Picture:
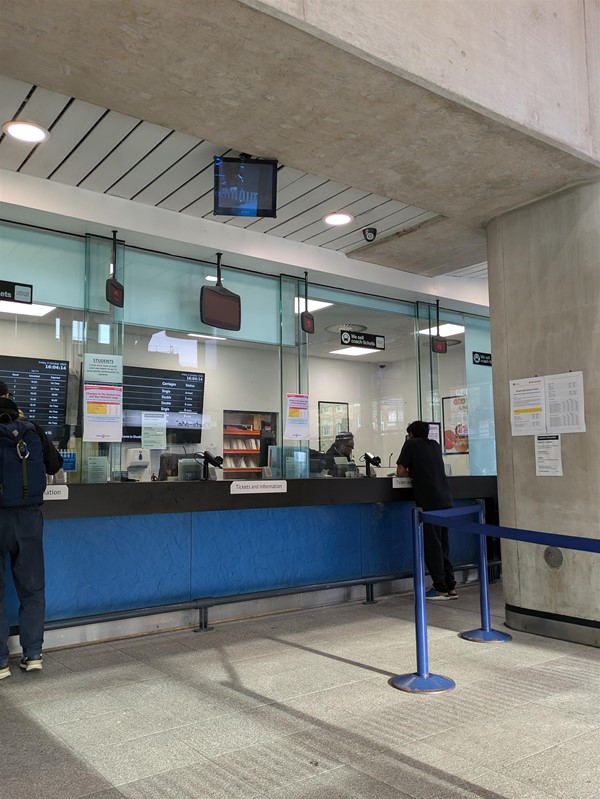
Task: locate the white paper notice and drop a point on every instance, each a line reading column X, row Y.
column 154, row 430
column 548, row 456
column 564, row 403
column 527, row 406
column 102, row 416
column 296, row 419
column 102, row 368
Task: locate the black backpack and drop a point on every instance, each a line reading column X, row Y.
column 22, row 471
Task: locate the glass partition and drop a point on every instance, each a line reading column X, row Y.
column 185, row 388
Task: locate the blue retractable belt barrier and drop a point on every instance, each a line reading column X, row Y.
column 453, row 518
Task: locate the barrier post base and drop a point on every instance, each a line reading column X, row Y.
column 417, row 684
column 486, row 636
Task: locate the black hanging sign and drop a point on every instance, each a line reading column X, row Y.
column 366, row 340
column 16, row 292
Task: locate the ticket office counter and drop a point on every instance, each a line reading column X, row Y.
column 123, row 546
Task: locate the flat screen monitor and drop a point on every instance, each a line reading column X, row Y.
column 179, row 395
column 39, row 388
column 220, row 308
column 245, row 187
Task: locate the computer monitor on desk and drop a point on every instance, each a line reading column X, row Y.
column 344, row 467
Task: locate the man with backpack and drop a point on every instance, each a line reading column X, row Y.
column 26, row 456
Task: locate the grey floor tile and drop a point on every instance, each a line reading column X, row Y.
column 276, row 764
column 117, row 727
column 568, row 771
column 142, row 757
column 206, row 781
column 343, row 783
column 71, row 708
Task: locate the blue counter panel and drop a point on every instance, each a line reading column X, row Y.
column 386, row 538
column 115, row 563
column 237, row 552
column 121, row 562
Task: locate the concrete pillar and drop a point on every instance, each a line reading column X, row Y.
column 544, row 280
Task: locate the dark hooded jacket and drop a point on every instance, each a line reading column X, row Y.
column 9, row 412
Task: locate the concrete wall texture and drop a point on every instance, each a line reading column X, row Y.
column 534, row 64
column 544, row 277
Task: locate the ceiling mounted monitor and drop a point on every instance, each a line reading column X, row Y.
column 245, row 186
column 220, row 307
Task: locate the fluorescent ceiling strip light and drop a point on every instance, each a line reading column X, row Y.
column 352, row 351
column 212, row 338
column 24, row 309
column 313, row 305
column 445, row 330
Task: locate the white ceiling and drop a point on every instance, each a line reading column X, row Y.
column 103, row 151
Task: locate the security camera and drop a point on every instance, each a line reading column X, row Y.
column 382, row 365
column 370, row 233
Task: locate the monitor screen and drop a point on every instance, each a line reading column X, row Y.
column 220, row 308
column 245, row 187
column 39, row 388
column 180, row 395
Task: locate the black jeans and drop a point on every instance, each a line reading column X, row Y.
column 437, row 557
column 21, row 539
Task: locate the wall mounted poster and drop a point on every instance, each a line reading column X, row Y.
column 296, row 418
column 102, row 416
column 455, row 421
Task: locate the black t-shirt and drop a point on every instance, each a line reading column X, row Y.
column 423, row 459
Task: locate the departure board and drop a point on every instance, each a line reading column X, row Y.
column 39, row 388
column 178, row 394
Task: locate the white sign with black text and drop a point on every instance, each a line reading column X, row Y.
column 548, row 456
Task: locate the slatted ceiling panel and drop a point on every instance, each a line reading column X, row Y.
column 174, row 178
column 202, row 182
column 93, row 149
column 290, row 194
column 364, row 214
column 476, row 271
column 67, row 132
column 313, row 218
column 203, row 208
column 169, row 151
column 12, row 95
column 43, row 107
column 136, row 146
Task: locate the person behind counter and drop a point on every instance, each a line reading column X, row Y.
column 341, row 448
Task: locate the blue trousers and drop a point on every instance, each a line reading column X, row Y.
column 21, row 539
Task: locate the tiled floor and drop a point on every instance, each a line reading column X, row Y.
column 297, row 706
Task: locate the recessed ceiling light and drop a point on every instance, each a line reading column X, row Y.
column 352, row 351
column 24, row 309
column 211, row 278
column 339, row 218
column 313, row 305
column 350, row 327
column 213, row 338
column 26, row 131
column 445, row 330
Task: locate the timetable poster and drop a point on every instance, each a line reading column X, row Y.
column 39, row 388
column 102, row 413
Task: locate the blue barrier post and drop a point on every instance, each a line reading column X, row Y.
column 485, row 634
column 421, row 681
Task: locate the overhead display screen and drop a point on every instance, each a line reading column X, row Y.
column 39, row 388
column 180, row 395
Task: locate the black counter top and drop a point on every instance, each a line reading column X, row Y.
column 127, row 499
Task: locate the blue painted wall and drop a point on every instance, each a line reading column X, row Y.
column 122, row 562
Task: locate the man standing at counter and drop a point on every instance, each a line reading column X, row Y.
column 26, row 456
column 421, row 460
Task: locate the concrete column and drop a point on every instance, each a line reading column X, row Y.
column 544, row 280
